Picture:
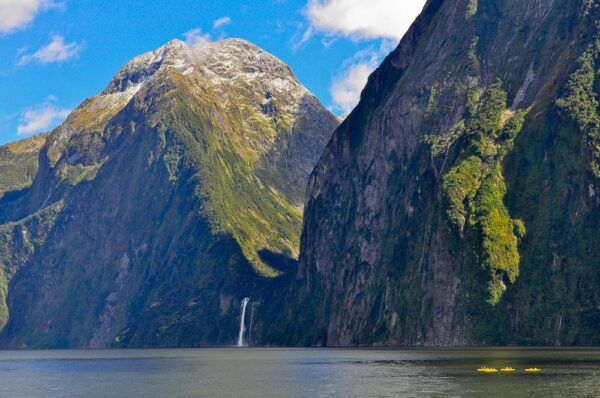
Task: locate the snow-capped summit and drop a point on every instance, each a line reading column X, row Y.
column 175, row 53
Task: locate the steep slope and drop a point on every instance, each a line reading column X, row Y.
column 162, row 202
column 18, row 163
column 458, row 203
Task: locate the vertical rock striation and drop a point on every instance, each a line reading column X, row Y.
column 457, row 204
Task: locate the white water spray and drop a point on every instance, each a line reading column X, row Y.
column 240, row 342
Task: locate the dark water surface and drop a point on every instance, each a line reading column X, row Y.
column 265, row 372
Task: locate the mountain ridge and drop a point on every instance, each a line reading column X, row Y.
column 452, row 206
column 154, row 202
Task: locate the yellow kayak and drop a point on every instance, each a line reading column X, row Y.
column 487, row 370
column 508, row 369
column 533, row 370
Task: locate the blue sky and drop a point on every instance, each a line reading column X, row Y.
column 56, row 53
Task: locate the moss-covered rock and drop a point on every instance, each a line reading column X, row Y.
column 469, row 216
column 475, row 188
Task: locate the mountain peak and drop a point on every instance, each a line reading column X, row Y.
column 235, row 57
column 135, row 72
column 238, row 42
column 224, row 60
column 193, row 162
column 174, row 44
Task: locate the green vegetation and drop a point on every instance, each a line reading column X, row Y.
column 474, row 64
column 461, row 185
column 77, row 173
column 18, row 241
column 86, row 124
column 4, row 314
column 471, row 9
column 475, row 189
column 487, row 118
column 510, row 288
column 435, row 143
column 580, row 104
column 260, row 218
column 19, row 163
column 433, row 93
column 167, row 220
column 499, row 240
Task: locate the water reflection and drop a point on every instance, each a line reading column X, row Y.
column 259, row 372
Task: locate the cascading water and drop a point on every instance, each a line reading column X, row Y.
column 240, row 342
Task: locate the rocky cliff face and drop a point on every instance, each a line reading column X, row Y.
column 159, row 204
column 459, row 203
column 19, row 163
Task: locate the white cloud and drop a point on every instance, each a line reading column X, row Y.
column 195, row 38
column 345, row 91
column 346, row 87
column 221, row 22
column 306, row 36
column 56, row 51
column 17, row 14
column 41, row 118
column 360, row 19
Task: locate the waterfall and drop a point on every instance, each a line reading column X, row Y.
column 240, row 342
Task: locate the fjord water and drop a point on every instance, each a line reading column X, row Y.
column 266, row 372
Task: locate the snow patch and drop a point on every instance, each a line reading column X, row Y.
column 281, row 84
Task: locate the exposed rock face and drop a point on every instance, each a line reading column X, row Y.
column 18, row 163
column 160, row 203
column 453, row 205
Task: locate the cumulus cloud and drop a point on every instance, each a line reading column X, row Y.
column 56, row 51
column 360, row 19
column 195, row 38
column 345, row 91
column 346, row 87
column 221, row 22
column 41, row 118
column 17, row 14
